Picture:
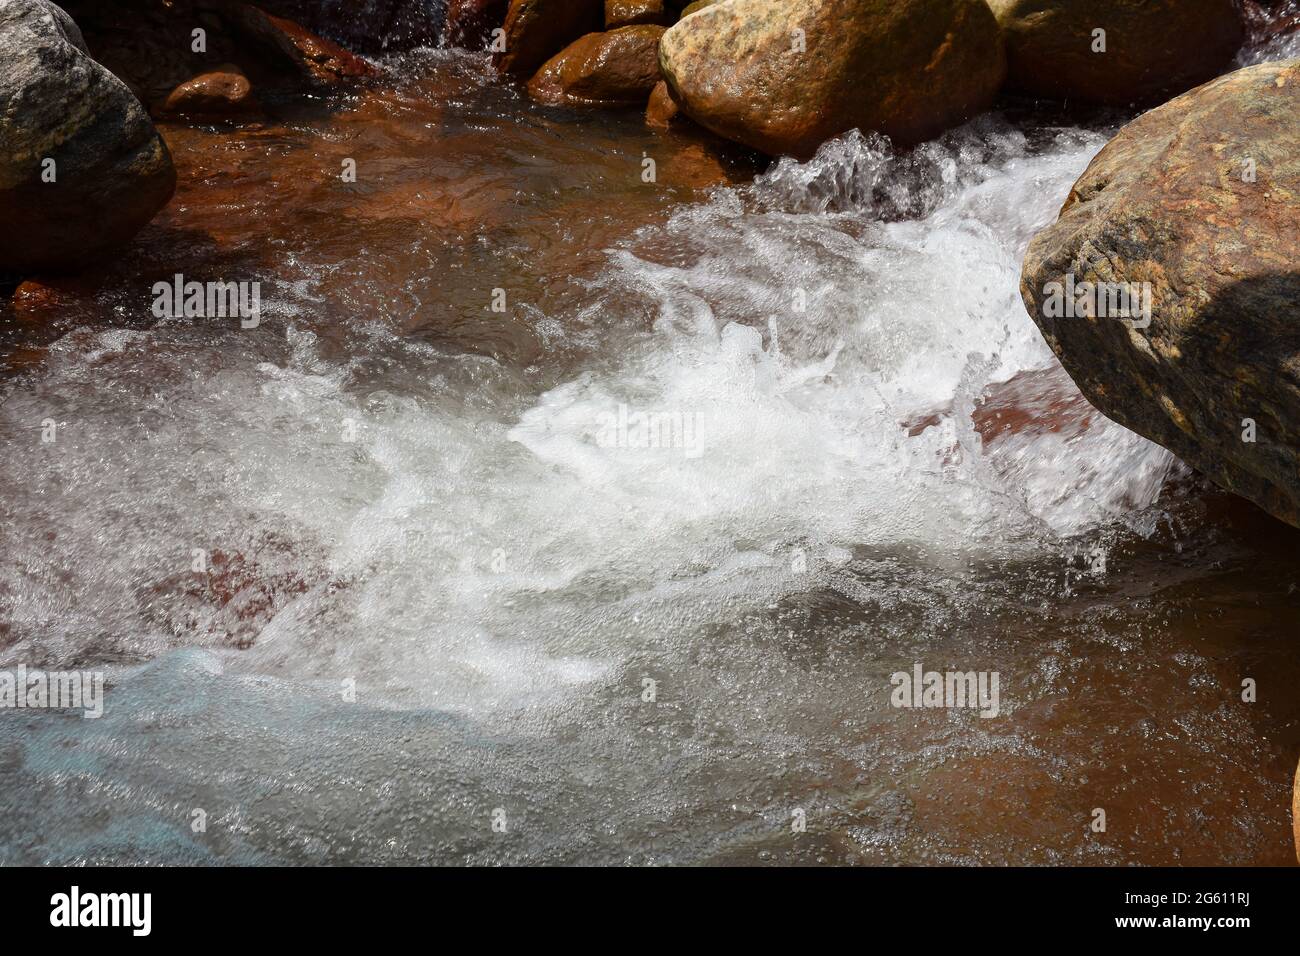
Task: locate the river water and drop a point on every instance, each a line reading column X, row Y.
column 453, row 606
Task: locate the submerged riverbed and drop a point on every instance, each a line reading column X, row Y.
column 444, row 616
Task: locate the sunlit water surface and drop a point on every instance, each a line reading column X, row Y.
column 446, row 583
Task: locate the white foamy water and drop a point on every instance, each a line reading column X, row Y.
column 447, row 543
column 439, row 585
column 439, row 588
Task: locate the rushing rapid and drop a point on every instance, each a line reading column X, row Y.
column 612, row 506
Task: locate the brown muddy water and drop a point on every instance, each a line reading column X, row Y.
column 443, row 582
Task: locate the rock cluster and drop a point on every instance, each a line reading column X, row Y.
column 782, row 76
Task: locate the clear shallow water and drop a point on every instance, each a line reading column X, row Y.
column 397, row 487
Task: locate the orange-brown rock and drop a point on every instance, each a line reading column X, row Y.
column 319, row 61
column 34, row 297
column 628, row 13
column 661, row 110
column 223, row 91
column 701, row 164
column 784, row 77
column 617, row 68
column 1168, row 286
column 536, row 30
column 1148, row 50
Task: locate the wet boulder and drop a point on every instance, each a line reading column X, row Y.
column 82, row 168
column 1116, row 52
column 1168, row 286
column 536, row 30
column 224, row 91
column 616, row 68
column 293, row 48
column 627, row 13
column 785, row 76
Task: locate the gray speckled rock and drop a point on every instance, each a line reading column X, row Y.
column 112, row 169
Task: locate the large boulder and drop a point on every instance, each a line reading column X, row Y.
column 1150, row 49
column 111, row 170
column 784, row 76
column 536, row 30
column 1186, row 229
column 617, row 68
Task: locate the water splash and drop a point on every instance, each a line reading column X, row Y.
column 1273, row 33
column 471, row 556
column 779, row 443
